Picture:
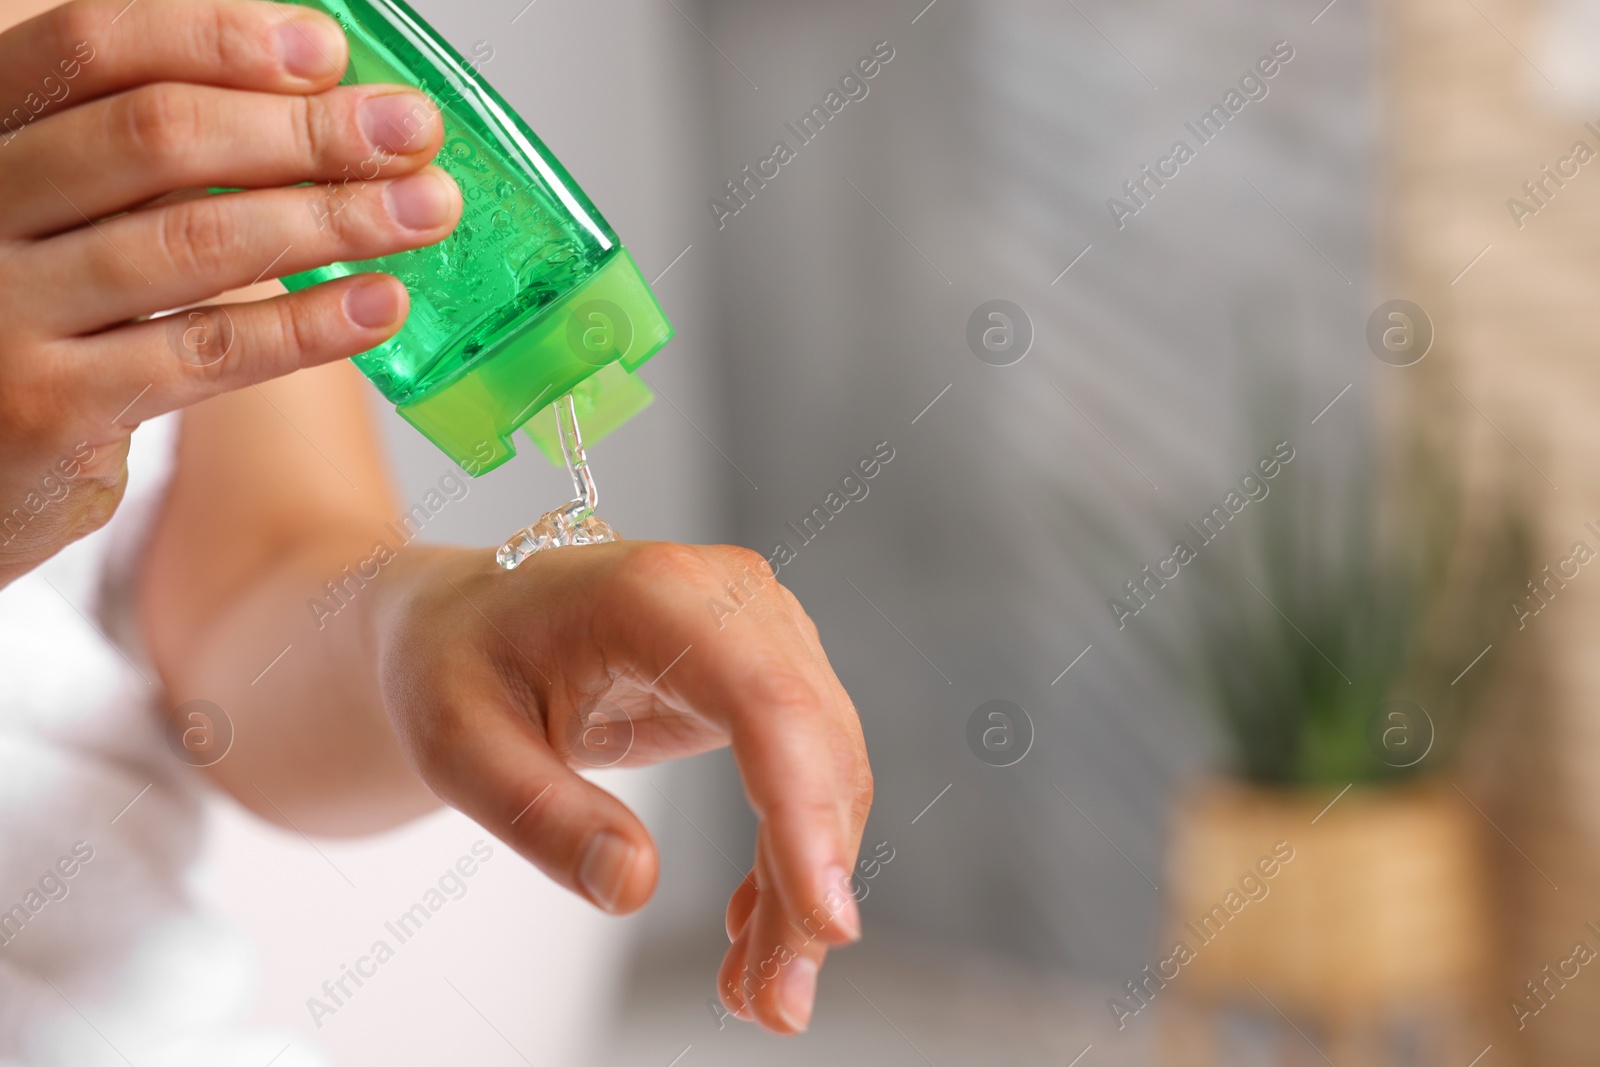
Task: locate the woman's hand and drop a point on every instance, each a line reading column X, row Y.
column 107, row 109
column 500, row 686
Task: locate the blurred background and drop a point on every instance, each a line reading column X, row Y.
column 1276, row 750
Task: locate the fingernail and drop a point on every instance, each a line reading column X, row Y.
column 797, row 991
column 372, row 304
column 420, row 201
column 605, row 867
column 846, row 916
column 312, row 48
column 397, row 122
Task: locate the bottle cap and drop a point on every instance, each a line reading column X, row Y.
column 589, row 342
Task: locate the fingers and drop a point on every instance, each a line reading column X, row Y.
column 168, row 363
column 128, row 149
column 857, row 791
column 794, row 733
column 640, row 627
column 178, row 254
column 91, row 48
column 730, row 982
column 740, row 905
column 792, row 739
column 790, row 775
column 499, row 771
column 769, row 974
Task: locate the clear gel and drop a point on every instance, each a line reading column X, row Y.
column 571, row 524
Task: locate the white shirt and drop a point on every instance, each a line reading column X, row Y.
column 104, row 957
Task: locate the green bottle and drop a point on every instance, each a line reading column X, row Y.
column 531, row 298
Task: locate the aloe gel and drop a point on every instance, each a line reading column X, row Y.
column 531, row 297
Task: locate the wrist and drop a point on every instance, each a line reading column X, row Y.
column 415, row 585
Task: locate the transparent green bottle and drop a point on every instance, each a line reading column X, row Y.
column 532, row 297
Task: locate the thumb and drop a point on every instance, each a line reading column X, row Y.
column 501, row 773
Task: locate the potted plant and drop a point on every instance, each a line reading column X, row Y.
column 1330, row 878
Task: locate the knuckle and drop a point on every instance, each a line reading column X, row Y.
column 740, row 558
column 296, row 335
column 812, row 808
column 329, row 206
column 223, row 40
column 202, row 336
column 866, row 789
column 756, row 564
column 784, row 690
column 199, row 237
column 307, row 122
column 664, row 563
column 75, row 23
column 161, row 123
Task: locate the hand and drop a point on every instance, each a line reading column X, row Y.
column 499, row 684
column 108, row 109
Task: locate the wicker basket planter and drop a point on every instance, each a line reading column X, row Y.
column 1347, row 922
